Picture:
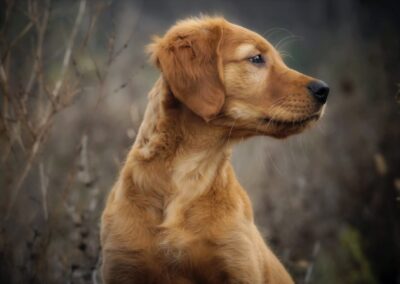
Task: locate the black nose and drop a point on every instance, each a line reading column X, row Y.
column 319, row 90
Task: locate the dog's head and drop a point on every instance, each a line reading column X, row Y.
column 234, row 78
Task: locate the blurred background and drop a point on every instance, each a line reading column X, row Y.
column 73, row 88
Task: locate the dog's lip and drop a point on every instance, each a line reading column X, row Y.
column 294, row 122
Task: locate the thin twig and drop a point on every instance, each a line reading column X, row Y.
column 84, row 174
column 44, row 183
column 51, row 111
column 9, row 9
column 68, row 51
column 310, row 268
column 16, row 39
column 41, row 29
column 34, row 151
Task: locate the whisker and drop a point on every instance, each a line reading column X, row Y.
column 258, row 125
column 230, row 131
column 275, row 30
column 275, row 110
column 274, row 164
column 285, row 54
column 291, row 151
column 287, row 39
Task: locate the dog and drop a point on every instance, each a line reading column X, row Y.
column 177, row 213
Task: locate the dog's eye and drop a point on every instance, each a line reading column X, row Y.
column 258, row 59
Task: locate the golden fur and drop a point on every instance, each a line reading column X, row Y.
column 177, row 213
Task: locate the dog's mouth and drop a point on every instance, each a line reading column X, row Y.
column 279, row 128
column 290, row 123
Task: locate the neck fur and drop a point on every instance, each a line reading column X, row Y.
column 176, row 153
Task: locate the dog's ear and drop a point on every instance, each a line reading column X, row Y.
column 189, row 58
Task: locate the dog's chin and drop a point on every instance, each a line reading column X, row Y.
column 280, row 128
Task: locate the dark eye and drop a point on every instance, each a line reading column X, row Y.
column 258, row 59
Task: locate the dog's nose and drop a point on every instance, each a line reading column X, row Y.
column 319, row 90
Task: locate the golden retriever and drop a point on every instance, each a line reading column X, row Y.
column 177, row 213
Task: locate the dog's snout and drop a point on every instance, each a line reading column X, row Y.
column 319, row 90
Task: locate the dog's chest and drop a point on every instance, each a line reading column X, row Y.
column 183, row 252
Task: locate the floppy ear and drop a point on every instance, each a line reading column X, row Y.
column 191, row 64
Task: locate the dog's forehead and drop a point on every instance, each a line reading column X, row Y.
column 245, row 39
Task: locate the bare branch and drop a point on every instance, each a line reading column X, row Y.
column 28, row 165
column 310, row 268
column 68, row 51
column 17, row 38
column 84, row 173
column 41, row 29
column 44, row 183
column 51, row 110
column 9, row 9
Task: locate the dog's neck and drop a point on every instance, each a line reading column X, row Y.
column 169, row 129
column 175, row 150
